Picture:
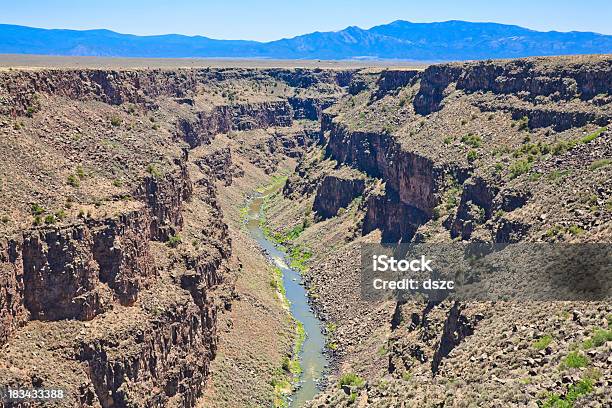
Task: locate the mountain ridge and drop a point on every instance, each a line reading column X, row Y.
column 400, row 39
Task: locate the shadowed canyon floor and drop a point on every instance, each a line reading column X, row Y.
column 128, row 277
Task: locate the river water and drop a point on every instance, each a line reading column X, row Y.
column 312, row 357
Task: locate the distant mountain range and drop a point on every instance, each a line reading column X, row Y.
column 450, row 40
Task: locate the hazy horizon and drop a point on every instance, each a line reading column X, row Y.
column 297, row 35
column 273, row 19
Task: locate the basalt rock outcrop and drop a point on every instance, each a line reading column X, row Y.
column 113, row 298
column 123, row 297
column 492, row 152
column 391, row 81
column 412, row 181
column 534, row 89
column 335, row 193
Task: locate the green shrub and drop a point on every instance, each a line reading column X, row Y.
column 562, row 147
column 471, row 140
column 37, row 209
column 352, row 380
column 115, row 121
column 286, row 363
column 80, row 172
column 174, row 241
column 299, row 257
column 50, row 219
column 555, row 230
column 575, row 360
column 154, row 171
column 535, row 176
column 453, row 198
column 519, row 167
column 73, row 181
column 543, row 342
column 582, row 387
column 5, row 219
column 523, row 123
column 117, row 183
column 575, row 230
column 558, row 174
column 60, row 215
column 593, row 136
column 599, row 338
column 597, row 164
column 37, row 220
column 472, row 156
column 574, row 391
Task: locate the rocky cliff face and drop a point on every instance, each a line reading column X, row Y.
column 391, row 81
column 124, row 296
column 412, row 180
column 535, row 88
column 492, row 151
column 335, row 193
column 134, row 307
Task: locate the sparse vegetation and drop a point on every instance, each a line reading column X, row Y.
column 599, row 338
column 80, row 172
column 50, row 219
column 574, row 392
column 523, row 123
column 592, row 136
column 472, row 140
column 543, row 342
column 115, row 121
column 562, row 147
column 352, row 380
column 453, row 197
column 37, row 209
column 174, row 241
column 554, row 231
column 472, row 155
column 558, row 175
column 575, row 360
column 598, row 164
column 519, row 167
column 575, row 230
column 154, row 171
column 73, row 181
column 299, row 256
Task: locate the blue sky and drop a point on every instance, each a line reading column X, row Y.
column 266, row 20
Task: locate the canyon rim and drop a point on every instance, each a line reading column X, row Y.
column 128, row 276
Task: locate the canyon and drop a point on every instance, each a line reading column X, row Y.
column 128, row 278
